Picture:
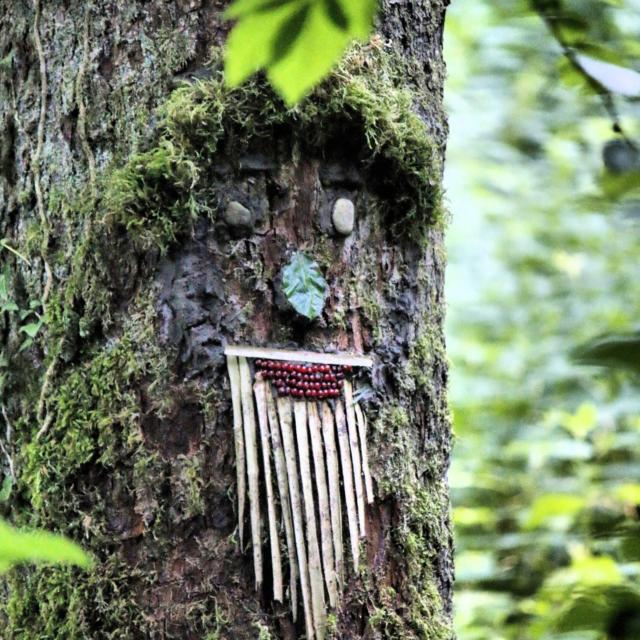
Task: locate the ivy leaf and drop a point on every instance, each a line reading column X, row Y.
column 296, row 42
column 612, row 77
column 31, row 329
column 5, row 489
column 37, row 546
column 304, row 286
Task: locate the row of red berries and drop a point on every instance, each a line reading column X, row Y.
column 304, row 380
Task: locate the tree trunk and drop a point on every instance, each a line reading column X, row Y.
column 119, row 155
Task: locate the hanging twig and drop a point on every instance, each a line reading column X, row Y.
column 324, row 510
column 347, row 479
column 238, row 437
column 315, row 568
column 283, row 488
column 82, row 109
column 249, row 422
column 355, row 455
column 284, row 413
column 5, row 451
column 260, row 390
column 37, row 154
column 333, row 470
column 362, row 432
column 553, row 24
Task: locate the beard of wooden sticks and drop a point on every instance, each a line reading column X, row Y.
column 301, row 442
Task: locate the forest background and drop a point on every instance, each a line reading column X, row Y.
column 543, row 296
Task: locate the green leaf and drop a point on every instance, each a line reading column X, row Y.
column 620, row 351
column 555, row 510
column 304, row 286
column 612, row 77
column 31, row 329
column 251, row 43
column 9, row 306
column 25, row 345
column 297, row 42
column 37, row 546
column 308, row 57
column 5, row 490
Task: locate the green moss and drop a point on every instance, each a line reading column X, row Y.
column 191, row 484
column 62, row 603
column 418, row 535
column 95, row 409
column 427, row 350
column 158, row 191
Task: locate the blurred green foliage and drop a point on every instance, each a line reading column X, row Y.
column 544, row 301
column 296, row 42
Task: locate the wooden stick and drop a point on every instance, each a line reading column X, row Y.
column 355, row 455
column 238, row 436
column 347, row 479
column 260, row 391
column 249, row 422
column 353, row 359
column 333, row 469
column 283, row 488
column 324, row 510
column 315, row 568
column 284, row 413
column 362, row 431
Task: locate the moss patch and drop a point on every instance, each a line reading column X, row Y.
column 95, row 408
column 418, row 534
column 364, row 103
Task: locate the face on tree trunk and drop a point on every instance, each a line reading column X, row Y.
column 172, row 248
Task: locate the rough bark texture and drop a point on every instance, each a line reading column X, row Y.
column 126, row 379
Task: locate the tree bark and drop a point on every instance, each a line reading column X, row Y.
column 121, row 429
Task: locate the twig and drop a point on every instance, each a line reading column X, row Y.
column 260, row 390
column 352, row 359
column 284, row 413
column 8, row 433
column 315, row 567
column 606, row 97
column 283, row 489
column 347, row 479
column 324, row 510
column 333, row 469
column 355, row 455
column 37, row 154
column 362, row 432
column 238, row 437
column 253, row 469
column 82, row 109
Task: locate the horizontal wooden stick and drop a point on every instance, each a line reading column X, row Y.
column 352, row 359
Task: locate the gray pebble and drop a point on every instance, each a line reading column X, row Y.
column 344, row 215
column 237, row 215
